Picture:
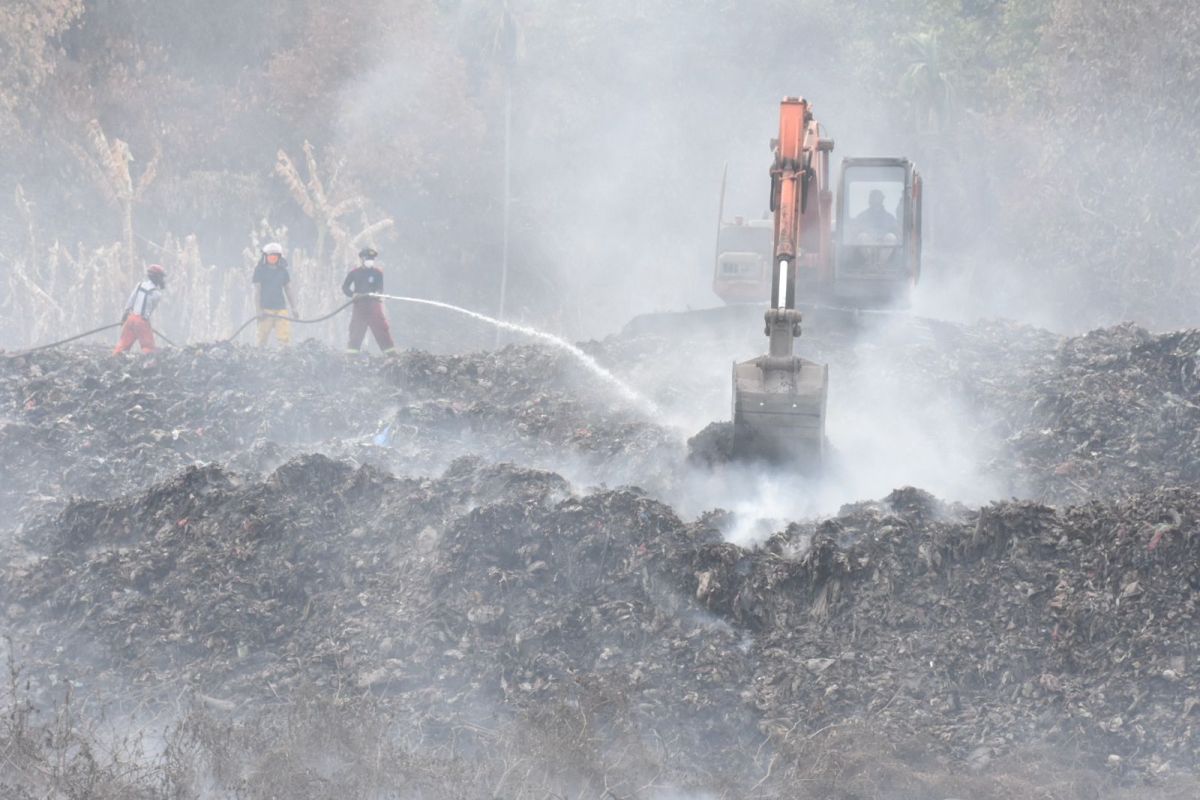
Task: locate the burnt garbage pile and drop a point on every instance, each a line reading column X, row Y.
column 496, row 592
column 210, row 552
column 1062, row 420
column 77, row 422
column 489, row 587
column 1118, row 412
column 980, row 629
column 523, row 403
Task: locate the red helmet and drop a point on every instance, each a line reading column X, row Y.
column 156, row 269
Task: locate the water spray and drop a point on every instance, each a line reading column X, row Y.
column 592, row 365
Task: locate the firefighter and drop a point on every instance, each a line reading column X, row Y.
column 273, row 295
column 141, row 304
column 363, row 281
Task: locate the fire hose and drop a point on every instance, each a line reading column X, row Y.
column 257, row 317
column 160, row 334
column 61, row 342
column 83, row 335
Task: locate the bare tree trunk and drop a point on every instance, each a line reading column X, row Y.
column 507, row 199
column 127, row 237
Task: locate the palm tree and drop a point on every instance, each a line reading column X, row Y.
column 927, row 84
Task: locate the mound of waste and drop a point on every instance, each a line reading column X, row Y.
column 1061, row 420
column 1106, row 414
column 77, row 422
column 981, row 628
column 253, row 529
column 487, row 587
column 1117, row 410
column 494, row 591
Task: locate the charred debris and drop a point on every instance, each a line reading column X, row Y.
column 236, row 528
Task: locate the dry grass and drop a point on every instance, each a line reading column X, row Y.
column 49, row 292
column 61, row 755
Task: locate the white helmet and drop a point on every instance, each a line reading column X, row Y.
column 272, row 249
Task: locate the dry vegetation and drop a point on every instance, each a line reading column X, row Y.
column 50, row 294
column 1055, row 135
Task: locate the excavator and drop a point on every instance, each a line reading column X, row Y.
column 871, row 255
column 875, row 258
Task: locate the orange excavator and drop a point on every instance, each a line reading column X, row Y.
column 779, row 398
column 870, row 253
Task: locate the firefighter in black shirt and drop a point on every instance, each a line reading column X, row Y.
column 364, row 280
column 273, row 295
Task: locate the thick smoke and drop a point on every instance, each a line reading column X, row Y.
column 1056, row 141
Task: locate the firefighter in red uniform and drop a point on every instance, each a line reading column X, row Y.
column 363, row 281
column 139, row 307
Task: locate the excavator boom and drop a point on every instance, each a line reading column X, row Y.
column 779, row 398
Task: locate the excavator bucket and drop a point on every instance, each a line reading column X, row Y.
column 779, row 411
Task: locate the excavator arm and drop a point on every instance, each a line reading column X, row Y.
column 779, row 398
column 790, row 177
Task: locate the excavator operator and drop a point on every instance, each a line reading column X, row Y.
column 876, row 223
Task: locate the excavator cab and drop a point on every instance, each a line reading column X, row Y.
column 877, row 241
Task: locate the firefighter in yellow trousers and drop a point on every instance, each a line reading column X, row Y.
column 273, row 295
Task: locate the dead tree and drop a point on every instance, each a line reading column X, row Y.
column 327, row 203
column 109, row 162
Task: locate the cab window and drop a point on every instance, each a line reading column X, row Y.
column 872, row 211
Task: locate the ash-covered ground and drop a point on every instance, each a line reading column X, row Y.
column 301, row 574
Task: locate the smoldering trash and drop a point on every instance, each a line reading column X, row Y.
column 312, row 571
